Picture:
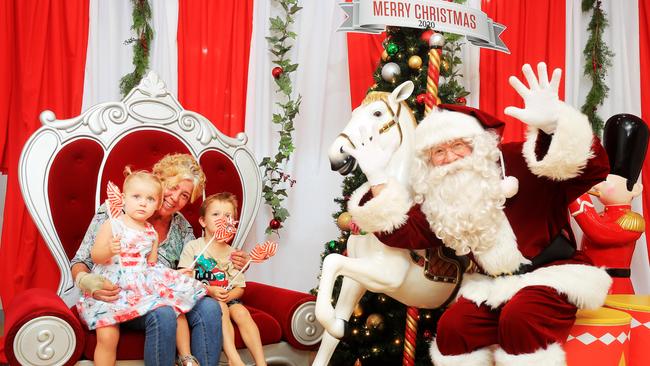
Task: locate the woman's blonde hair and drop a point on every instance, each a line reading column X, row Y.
column 174, row 168
column 144, row 176
column 221, row 197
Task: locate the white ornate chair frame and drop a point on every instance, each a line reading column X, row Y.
column 149, row 106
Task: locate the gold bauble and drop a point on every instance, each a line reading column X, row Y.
column 375, row 321
column 358, row 310
column 384, row 56
column 343, row 221
column 357, row 362
column 445, row 65
column 415, row 62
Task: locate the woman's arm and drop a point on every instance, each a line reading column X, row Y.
column 83, row 253
column 152, row 258
column 106, row 246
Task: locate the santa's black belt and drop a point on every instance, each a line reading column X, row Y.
column 618, row 272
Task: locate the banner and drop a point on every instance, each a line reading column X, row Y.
column 372, row 16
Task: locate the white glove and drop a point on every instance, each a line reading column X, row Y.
column 370, row 155
column 542, row 104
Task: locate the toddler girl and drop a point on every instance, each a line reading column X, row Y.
column 128, row 259
column 215, row 269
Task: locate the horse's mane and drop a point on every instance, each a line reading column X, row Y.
column 374, row 96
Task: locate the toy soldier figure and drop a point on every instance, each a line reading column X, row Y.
column 610, row 236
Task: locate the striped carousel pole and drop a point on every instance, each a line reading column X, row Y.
column 436, row 41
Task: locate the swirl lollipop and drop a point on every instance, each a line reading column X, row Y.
column 259, row 254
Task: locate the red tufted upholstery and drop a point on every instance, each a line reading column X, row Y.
column 73, row 195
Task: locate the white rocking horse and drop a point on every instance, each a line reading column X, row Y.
column 371, row 265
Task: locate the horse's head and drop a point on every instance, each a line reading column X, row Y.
column 387, row 110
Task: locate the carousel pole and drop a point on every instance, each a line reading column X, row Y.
column 436, row 41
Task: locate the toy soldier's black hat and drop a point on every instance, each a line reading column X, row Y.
column 625, row 138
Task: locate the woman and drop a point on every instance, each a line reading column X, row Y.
column 183, row 181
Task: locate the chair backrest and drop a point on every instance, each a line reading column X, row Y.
column 66, row 164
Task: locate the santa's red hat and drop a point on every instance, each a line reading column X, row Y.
column 450, row 122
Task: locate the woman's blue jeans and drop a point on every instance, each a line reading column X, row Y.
column 160, row 333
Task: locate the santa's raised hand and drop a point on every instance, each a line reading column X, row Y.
column 541, row 100
column 370, row 155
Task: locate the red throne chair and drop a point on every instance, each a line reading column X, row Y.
column 63, row 172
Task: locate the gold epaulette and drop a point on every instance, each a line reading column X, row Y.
column 632, row 221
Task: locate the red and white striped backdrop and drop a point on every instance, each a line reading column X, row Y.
column 65, row 56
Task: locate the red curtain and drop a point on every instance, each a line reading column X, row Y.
column 364, row 53
column 46, row 57
column 213, row 48
column 6, row 66
column 536, row 32
column 644, row 52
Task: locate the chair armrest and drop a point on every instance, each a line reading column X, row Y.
column 40, row 329
column 292, row 309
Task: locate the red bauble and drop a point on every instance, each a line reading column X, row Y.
column 277, row 71
column 421, row 98
column 427, row 334
column 426, row 35
column 275, row 224
column 461, row 100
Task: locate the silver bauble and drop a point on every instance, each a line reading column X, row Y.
column 436, row 40
column 390, row 72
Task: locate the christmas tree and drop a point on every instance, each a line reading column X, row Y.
column 376, row 328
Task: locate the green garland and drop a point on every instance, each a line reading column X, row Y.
column 275, row 178
column 141, row 25
column 598, row 58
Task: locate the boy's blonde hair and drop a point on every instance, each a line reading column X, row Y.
column 144, row 176
column 174, row 168
column 221, row 197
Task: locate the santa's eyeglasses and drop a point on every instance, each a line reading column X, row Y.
column 459, row 148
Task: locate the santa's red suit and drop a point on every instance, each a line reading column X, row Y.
column 609, row 238
column 527, row 316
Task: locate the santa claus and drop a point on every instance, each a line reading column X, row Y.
column 506, row 207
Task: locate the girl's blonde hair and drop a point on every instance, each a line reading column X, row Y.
column 144, row 176
column 221, row 197
column 174, row 168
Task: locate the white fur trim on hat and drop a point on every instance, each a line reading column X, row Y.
column 552, row 355
column 384, row 213
column 442, row 126
column 585, row 286
column 480, row 357
column 570, row 147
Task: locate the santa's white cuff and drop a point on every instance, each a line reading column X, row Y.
column 570, row 147
column 383, row 213
column 552, row 355
column 480, row 357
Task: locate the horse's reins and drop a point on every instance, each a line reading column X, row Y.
column 394, row 121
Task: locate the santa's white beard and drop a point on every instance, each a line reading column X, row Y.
column 463, row 200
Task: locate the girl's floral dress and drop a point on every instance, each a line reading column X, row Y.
column 144, row 287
